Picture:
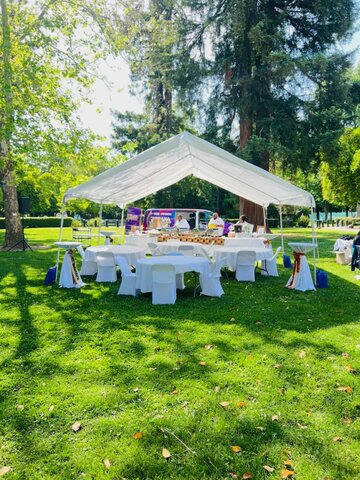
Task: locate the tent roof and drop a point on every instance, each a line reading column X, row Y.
column 180, row 156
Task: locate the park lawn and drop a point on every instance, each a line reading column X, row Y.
column 285, row 363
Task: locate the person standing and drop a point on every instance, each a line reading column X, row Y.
column 181, row 222
column 216, row 223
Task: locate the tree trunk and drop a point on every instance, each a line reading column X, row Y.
column 11, row 208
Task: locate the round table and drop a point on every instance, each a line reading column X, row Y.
column 230, row 254
column 173, row 246
column 300, row 278
column 244, row 242
column 107, row 234
column 182, row 264
column 69, row 275
column 130, row 253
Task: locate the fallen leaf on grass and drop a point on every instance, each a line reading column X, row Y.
column 233, row 475
column 4, row 471
column 302, row 354
column 174, row 392
column 76, row 426
column 19, row 407
column 345, row 355
column 235, row 448
column 209, row 347
column 241, row 404
column 224, row 404
column 287, row 463
column 274, row 418
column 232, row 319
column 350, row 369
column 278, row 365
column 347, row 420
column 138, row 435
column 217, row 389
column 107, row 463
column 344, row 389
column 337, row 439
column 51, row 408
column 246, row 476
column 303, row 427
column 268, row 469
column 286, row 473
column 165, row 453
column 260, row 428
column 202, row 363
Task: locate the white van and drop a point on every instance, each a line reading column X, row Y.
column 166, row 217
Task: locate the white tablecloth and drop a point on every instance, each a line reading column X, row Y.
column 182, row 264
column 140, row 240
column 340, row 245
column 69, row 275
column 244, row 242
column 173, row 246
column 131, row 254
column 230, row 254
column 301, row 276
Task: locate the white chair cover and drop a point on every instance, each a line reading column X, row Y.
column 164, row 284
column 128, row 278
column 153, row 248
column 186, row 249
column 106, row 267
column 210, row 284
column 269, row 266
column 180, row 283
column 245, row 271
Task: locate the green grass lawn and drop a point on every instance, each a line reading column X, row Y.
column 119, row 365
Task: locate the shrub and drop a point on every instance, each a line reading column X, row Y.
column 303, row 221
column 41, row 222
column 93, row 222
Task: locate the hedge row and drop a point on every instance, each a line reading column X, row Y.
column 38, row 222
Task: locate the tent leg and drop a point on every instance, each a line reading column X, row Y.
column 264, row 213
column 314, row 240
column 281, row 230
column 100, row 221
column 122, row 216
column 60, row 237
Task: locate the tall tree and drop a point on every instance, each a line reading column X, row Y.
column 44, row 57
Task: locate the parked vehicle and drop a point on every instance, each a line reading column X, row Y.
column 166, row 217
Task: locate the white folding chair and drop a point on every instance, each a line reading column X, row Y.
column 164, row 284
column 186, row 250
column 245, row 270
column 180, row 284
column 128, row 278
column 269, row 266
column 210, row 284
column 153, row 248
column 106, row 267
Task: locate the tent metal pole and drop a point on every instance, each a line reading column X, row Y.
column 60, row 236
column 100, row 221
column 264, row 213
column 122, row 216
column 281, row 229
column 314, row 240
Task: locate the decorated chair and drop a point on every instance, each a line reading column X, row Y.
column 180, row 284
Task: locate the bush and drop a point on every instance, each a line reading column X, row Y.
column 303, row 221
column 41, row 222
column 93, row 222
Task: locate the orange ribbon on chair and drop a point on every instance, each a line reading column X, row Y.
column 296, row 268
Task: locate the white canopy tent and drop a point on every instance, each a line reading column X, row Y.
column 180, row 156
